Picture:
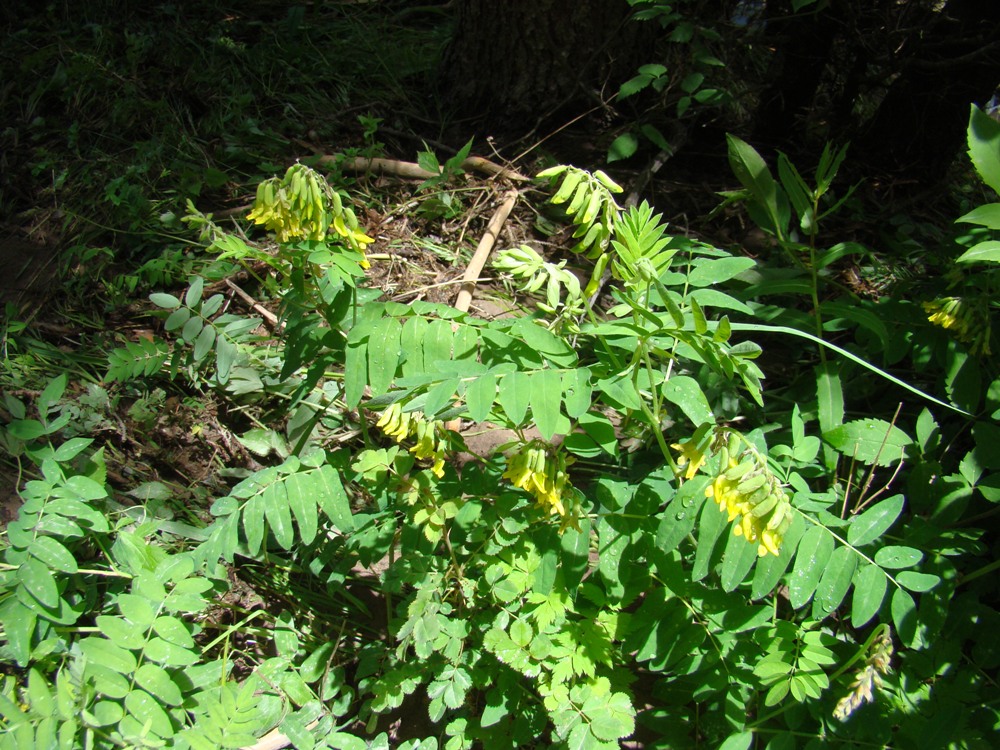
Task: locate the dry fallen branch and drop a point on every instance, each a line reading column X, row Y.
column 483, row 250
column 409, row 170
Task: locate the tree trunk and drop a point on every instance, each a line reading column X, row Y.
column 517, row 63
column 803, row 42
column 920, row 125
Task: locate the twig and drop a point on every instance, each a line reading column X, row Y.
column 270, row 317
column 411, row 171
column 486, row 244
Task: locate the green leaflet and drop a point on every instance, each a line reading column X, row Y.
column 875, row 521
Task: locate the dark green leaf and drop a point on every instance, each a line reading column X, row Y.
column 104, row 652
column 811, row 559
column 159, row 683
column 984, row 146
column 545, row 400
column 37, row 580
column 686, row 393
column 869, row 591
column 875, row 521
column 53, row 554
column 871, row 441
column 895, row 556
column 836, row 580
column 479, row 396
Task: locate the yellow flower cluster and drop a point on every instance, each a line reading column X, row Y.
column 753, row 498
column 431, row 445
column 967, row 318
column 534, row 469
column 302, row 206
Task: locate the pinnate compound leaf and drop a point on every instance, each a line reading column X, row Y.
column 875, row 521
column 871, row 441
column 870, row 584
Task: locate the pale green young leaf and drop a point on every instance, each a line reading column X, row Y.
column 875, row 521
column 870, row 584
column 738, row 741
column 480, row 394
column 437, row 343
column 411, row 344
column 177, row 319
column 169, row 654
column 331, row 497
column 623, row 147
column 173, row 630
column 166, row 301
column 752, row 172
column 121, row 632
column 577, row 391
column 706, row 272
column 355, row 373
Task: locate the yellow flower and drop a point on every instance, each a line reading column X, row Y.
column 754, row 502
column 692, row 456
column 967, row 317
column 533, row 469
